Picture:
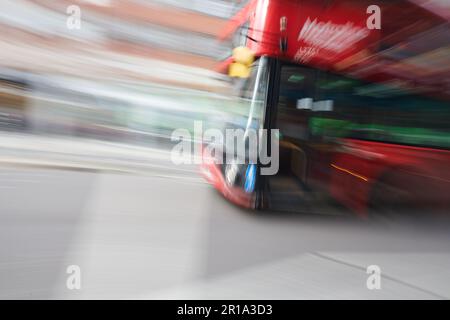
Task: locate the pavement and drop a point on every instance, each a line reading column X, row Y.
column 71, row 153
column 162, row 233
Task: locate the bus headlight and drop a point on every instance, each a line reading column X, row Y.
column 231, row 171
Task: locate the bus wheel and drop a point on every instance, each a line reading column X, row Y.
column 391, row 198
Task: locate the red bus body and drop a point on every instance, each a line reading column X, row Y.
column 333, row 35
column 356, row 170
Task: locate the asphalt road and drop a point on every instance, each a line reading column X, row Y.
column 172, row 236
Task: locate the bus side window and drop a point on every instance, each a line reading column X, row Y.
column 296, row 95
column 296, row 85
column 385, row 112
column 348, row 108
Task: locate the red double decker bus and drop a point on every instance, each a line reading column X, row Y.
column 359, row 91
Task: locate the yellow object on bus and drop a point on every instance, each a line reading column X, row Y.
column 243, row 58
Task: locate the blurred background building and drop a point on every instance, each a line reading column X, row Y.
column 126, row 72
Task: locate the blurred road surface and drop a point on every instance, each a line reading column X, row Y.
column 150, row 234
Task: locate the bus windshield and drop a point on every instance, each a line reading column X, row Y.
column 250, row 96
